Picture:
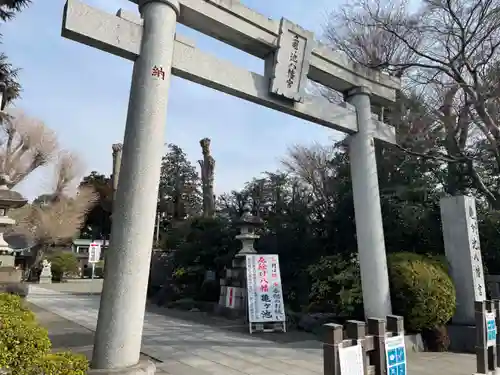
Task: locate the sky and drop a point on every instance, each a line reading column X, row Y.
column 82, row 94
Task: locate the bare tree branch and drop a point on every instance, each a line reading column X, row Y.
column 448, row 51
column 26, row 144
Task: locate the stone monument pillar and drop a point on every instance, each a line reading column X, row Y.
column 368, row 213
column 120, row 322
column 463, row 252
column 235, row 280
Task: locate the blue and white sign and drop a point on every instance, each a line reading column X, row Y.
column 395, row 355
column 491, row 329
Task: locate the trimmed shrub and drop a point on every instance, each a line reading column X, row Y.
column 336, row 287
column 422, row 291
column 62, row 264
column 11, row 300
column 64, row 363
column 23, row 344
column 12, row 305
column 437, row 260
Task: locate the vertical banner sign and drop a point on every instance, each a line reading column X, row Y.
column 265, row 295
column 395, row 355
column 491, row 329
column 351, row 360
column 94, row 252
column 230, row 297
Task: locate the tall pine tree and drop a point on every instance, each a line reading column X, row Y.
column 179, row 195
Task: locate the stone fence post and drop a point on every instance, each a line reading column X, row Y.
column 372, row 343
column 487, row 359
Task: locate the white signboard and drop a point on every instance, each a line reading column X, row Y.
column 475, row 253
column 94, row 252
column 491, row 329
column 351, row 360
column 395, row 355
column 265, row 296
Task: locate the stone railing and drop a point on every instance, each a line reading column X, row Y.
column 372, row 341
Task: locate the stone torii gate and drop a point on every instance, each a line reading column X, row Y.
column 291, row 57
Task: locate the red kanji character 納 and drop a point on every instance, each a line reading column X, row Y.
column 158, row 72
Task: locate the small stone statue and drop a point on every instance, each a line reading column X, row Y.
column 46, row 275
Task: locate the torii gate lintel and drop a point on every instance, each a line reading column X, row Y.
column 121, row 35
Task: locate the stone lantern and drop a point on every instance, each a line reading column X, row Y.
column 233, row 286
column 248, row 223
column 8, row 200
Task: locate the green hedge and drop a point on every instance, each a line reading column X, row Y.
column 436, row 260
column 64, row 363
column 25, row 345
column 421, row 290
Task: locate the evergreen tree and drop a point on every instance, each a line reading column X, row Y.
column 8, row 74
column 98, row 221
column 9, row 8
column 179, row 195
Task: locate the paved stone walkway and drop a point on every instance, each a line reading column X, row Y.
column 186, row 348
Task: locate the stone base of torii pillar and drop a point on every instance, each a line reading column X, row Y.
column 144, row 367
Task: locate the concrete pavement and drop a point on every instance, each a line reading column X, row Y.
column 186, row 347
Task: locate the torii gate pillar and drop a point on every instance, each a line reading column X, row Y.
column 367, row 210
column 118, row 336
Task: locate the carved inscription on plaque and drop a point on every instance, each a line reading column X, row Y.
column 291, row 61
column 475, row 253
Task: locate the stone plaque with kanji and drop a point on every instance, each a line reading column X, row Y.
column 291, row 61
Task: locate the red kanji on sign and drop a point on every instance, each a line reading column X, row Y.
column 158, row 72
column 261, row 264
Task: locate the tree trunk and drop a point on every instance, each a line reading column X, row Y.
column 34, row 261
column 207, row 177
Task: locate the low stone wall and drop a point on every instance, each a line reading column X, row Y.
column 7, row 260
column 21, row 289
column 10, row 275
